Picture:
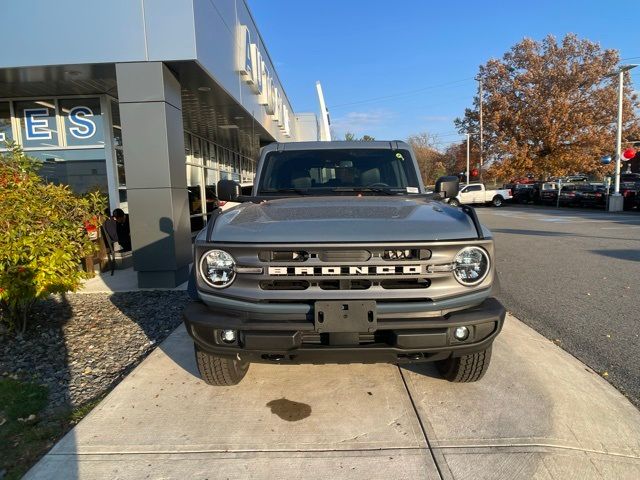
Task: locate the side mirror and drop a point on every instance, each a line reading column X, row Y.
column 228, row 190
column 448, row 187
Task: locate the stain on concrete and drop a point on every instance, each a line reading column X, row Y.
column 289, row 410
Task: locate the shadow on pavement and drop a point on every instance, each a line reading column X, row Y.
column 180, row 350
column 633, row 255
column 426, row 369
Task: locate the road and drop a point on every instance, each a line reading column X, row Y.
column 574, row 276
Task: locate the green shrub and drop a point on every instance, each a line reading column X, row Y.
column 43, row 236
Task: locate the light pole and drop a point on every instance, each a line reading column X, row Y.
column 479, row 78
column 468, row 152
column 616, row 202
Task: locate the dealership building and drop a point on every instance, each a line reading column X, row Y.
column 150, row 101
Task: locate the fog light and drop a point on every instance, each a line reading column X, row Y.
column 228, row 336
column 461, row 333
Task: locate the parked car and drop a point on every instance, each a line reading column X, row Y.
column 478, row 193
column 631, row 194
column 629, row 189
column 592, row 196
column 630, row 177
column 575, row 178
column 526, row 193
column 569, row 195
column 549, row 193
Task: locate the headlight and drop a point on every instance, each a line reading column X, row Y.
column 218, row 268
column 471, row 265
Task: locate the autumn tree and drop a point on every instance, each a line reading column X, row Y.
column 456, row 157
column 550, row 108
column 430, row 161
column 351, row 137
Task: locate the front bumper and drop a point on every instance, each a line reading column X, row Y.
column 291, row 338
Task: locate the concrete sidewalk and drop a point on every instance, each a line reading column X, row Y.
column 122, row 280
column 538, row 413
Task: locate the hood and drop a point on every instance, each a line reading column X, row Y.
column 342, row 219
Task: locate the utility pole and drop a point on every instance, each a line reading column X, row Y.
column 616, row 190
column 468, row 151
column 616, row 202
column 325, row 134
column 481, row 138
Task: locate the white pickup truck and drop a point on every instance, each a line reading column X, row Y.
column 477, row 193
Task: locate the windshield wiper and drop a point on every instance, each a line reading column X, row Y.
column 299, row 191
column 385, row 190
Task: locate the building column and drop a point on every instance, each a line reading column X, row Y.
column 153, row 143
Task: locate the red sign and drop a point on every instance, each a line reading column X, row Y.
column 628, row 154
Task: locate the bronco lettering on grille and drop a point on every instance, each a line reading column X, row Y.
column 347, row 270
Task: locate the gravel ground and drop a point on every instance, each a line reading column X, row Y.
column 81, row 345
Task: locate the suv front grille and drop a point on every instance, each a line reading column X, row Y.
column 382, row 267
column 293, row 273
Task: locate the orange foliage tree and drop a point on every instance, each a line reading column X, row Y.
column 550, row 108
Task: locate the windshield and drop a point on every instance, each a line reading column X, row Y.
column 317, row 171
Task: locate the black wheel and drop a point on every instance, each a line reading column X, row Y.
column 468, row 368
column 454, row 202
column 216, row 370
column 497, row 201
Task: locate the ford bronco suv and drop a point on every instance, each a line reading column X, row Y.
column 340, row 256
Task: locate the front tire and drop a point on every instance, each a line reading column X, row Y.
column 467, row 368
column 454, row 202
column 220, row 371
column 497, row 201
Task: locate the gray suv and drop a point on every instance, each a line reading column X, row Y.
column 340, row 256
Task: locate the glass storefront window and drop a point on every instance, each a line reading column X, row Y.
column 122, row 177
column 205, row 152
column 38, row 126
column 206, row 164
column 211, row 197
column 82, row 121
column 236, row 166
column 187, row 147
column 83, row 170
column 211, row 158
column 6, row 135
column 194, row 190
column 197, row 153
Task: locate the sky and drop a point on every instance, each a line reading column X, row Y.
column 391, row 69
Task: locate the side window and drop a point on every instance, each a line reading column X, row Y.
column 474, row 188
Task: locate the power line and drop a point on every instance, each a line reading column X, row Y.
column 403, row 94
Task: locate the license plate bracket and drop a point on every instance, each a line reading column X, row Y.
column 346, row 316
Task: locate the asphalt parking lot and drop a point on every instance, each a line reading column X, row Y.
column 574, row 276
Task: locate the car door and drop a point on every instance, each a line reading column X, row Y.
column 476, row 194
column 479, row 194
column 465, row 195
